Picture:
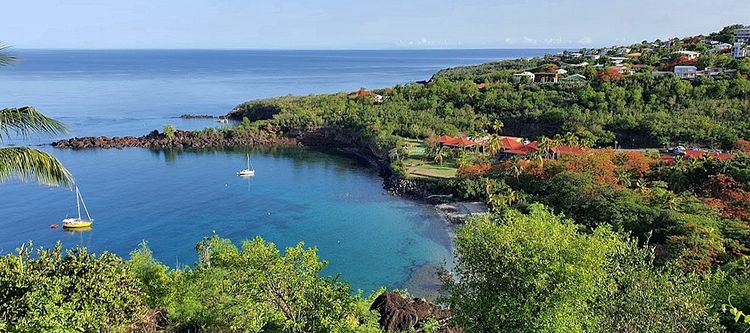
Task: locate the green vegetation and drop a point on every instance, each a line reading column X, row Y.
column 537, row 273
column 47, row 291
column 601, row 241
column 169, row 131
column 254, row 288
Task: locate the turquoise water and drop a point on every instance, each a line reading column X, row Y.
column 172, row 200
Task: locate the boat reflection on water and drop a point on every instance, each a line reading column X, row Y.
column 77, row 230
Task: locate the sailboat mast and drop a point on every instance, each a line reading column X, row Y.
column 248, row 161
column 78, row 202
column 88, row 216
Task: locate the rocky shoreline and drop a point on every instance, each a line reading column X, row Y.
column 180, row 140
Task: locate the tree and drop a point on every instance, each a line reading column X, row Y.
column 528, row 273
column 27, row 163
column 169, row 131
column 494, row 144
column 440, row 155
column 497, row 126
column 537, row 272
column 49, row 290
column 253, row 288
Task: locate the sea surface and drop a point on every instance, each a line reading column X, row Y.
column 173, row 199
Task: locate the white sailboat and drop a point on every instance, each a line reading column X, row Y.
column 78, row 222
column 249, row 172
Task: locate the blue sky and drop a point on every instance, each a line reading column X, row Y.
column 336, row 24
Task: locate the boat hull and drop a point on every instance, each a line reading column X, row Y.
column 76, row 224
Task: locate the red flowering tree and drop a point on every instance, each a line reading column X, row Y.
column 608, row 74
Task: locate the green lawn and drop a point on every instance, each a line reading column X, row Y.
column 418, row 165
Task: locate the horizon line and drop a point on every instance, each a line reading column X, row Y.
column 12, row 48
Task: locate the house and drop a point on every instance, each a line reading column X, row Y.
column 686, row 72
column 739, row 51
column 562, row 71
column 713, row 71
column 618, row 60
column 703, row 154
column 546, row 77
column 593, row 56
column 742, row 35
column 457, row 142
column 722, row 46
column 362, row 93
column 622, row 69
column 583, row 64
column 634, row 54
column 574, row 78
column 690, row 55
column 524, row 77
column 512, row 146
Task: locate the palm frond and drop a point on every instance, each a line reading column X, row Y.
column 5, row 57
column 27, row 120
column 27, row 163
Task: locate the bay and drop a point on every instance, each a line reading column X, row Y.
column 173, row 199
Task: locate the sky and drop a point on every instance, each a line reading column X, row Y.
column 337, row 24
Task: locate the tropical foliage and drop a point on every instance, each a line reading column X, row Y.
column 28, row 163
column 254, row 288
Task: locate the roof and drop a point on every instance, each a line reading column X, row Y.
column 688, row 52
column 700, row 154
column 692, row 68
column 575, row 77
column 362, row 92
column 516, row 146
column 463, row 141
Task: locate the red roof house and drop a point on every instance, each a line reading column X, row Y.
column 447, row 140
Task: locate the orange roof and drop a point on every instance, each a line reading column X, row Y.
column 456, row 142
column 362, row 92
column 700, row 154
column 516, row 147
column 509, row 143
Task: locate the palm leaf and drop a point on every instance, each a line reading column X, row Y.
column 27, row 120
column 27, row 163
column 5, row 58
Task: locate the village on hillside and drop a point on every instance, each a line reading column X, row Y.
column 687, row 58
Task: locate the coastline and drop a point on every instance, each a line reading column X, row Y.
column 453, row 211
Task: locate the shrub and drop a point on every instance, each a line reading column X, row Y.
column 169, row 131
column 75, row 291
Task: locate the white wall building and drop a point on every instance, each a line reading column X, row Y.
column 742, row 35
column 686, row 72
column 523, row 77
column 691, row 55
column 739, row 51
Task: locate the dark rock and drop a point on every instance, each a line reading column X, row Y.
column 180, row 140
column 197, row 116
column 399, row 314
